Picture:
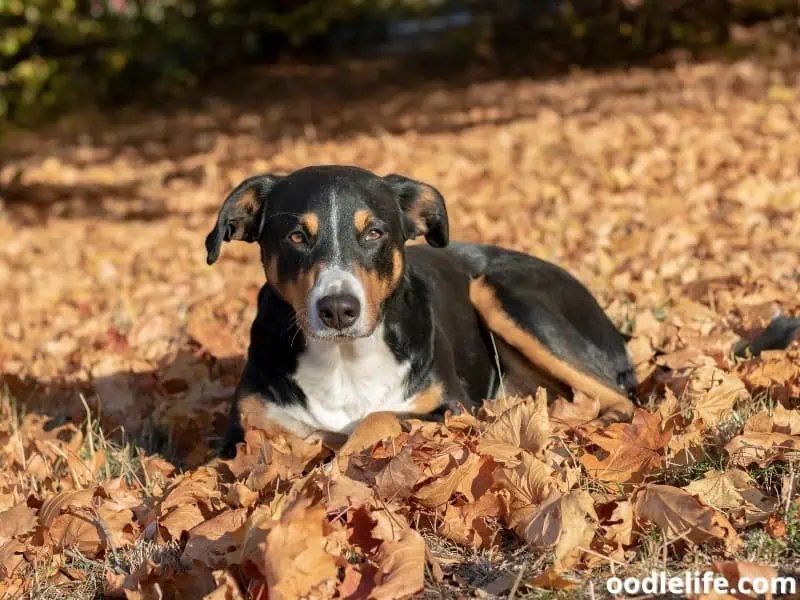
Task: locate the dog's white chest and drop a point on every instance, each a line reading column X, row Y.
column 345, row 382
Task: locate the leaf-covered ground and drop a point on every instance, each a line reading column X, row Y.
column 672, row 193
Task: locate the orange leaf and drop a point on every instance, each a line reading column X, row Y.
column 629, row 452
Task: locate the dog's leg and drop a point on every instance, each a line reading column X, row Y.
column 254, row 410
column 556, row 347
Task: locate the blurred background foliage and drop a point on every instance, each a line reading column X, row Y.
column 58, row 55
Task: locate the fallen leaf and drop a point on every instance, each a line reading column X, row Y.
column 735, row 492
column 735, row 571
column 778, row 420
column 457, row 478
column 569, row 415
column 762, row 448
column 401, row 567
column 628, row 452
column 524, row 426
column 17, row 520
column 682, row 516
column 216, row 543
column 397, row 479
column 294, row 555
column 564, row 523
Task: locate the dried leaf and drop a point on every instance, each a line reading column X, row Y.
column 682, row 516
column 401, row 567
column 628, row 452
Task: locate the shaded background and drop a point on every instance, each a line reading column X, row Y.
column 649, row 147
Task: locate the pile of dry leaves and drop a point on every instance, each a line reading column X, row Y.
column 671, row 193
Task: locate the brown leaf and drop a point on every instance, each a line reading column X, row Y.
column 11, row 558
column 762, row 448
column 344, row 492
column 468, row 524
column 779, row 420
column 529, row 483
column 628, row 452
column 217, row 542
column 239, row 495
column 17, row 521
column 181, row 520
column 524, row 426
column 374, row 428
column 458, row 478
column 81, row 532
column 682, row 516
column 735, row 571
column 714, row 393
column 616, row 523
column 294, row 557
column 359, row 581
column 563, row 523
column 734, row 491
column 397, row 479
column 212, row 334
column 552, row 579
column 569, row 415
column 226, row 587
column 53, row 506
column 401, row 567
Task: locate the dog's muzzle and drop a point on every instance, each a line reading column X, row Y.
column 335, row 305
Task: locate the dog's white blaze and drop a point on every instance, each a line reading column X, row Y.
column 345, row 382
column 337, row 249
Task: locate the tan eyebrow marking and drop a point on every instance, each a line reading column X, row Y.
column 311, row 222
column 361, row 219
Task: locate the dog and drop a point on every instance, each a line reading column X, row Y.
column 352, row 321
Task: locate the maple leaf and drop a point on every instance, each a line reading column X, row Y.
column 359, row 581
column 565, row 414
column 179, row 521
column 469, row 523
column 529, row 483
column 18, row 520
column 614, row 533
column 735, row 571
column 628, row 452
column 762, row 448
column 682, row 516
column 563, row 523
column 216, row 542
column 398, row 477
column 401, row 567
column 778, row 420
column 524, row 426
column 344, row 492
column 226, row 587
column 472, row 471
column 294, row 555
column 735, row 492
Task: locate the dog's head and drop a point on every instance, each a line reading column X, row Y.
column 332, row 240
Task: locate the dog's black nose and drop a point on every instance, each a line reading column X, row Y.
column 339, row 311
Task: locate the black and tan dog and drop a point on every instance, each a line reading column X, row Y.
column 351, row 321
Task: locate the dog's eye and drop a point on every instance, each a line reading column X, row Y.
column 297, row 238
column 373, row 234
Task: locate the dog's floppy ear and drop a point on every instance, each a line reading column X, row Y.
column 241, row 215
column 423, row 209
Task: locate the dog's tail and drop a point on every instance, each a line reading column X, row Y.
column 781, row 332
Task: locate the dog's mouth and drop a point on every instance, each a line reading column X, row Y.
column 334, row 336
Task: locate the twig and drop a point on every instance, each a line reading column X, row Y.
column 789, row 491
column 89, row 427
column 517, row 581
